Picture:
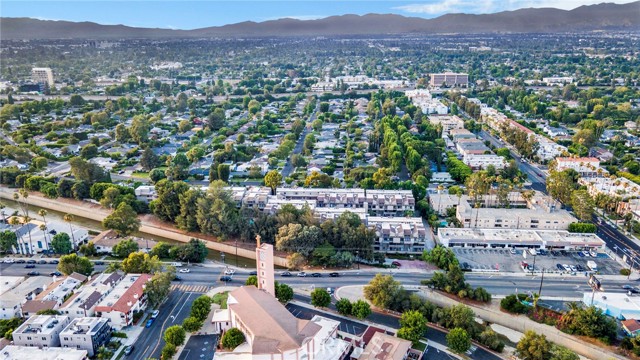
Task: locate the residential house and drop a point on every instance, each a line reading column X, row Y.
column 126, row 298
column 84, row 301
column 41, row 331
column 86, row 333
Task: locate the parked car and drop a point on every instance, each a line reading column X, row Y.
column 43, row 261
column 229, row 272
column 54, row 261
column 316, row 274
column 580, row 268
column 560, row 267
column 148, row 324
column 99, row 263
column 8, row 261
column 583, row 253
column 184, row 271
column 56, row 273
column 566, row 267
column 128, row 349
column 573, row 268
column 396, row 263
column 334, row 274
column 285, row 273
column 33, row 273
column 20, row 261
column 225, row 278
column 593, row 254
column 302, row 274
column 29, row 266
column 253, row 273
column 155, row 314
column 31, row 261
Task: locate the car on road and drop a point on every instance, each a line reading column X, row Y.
column 33, row 273
column 316, row 274
column 148, row 324
column 560, row 267
column 20, row 261
column 128, row 349
column 285, row 273
column 29, row 266
column 229, row 272
column 631, row 289
column 302, row 274
column 184, row 271
column 43, row 261
column 31, row 261
column 99, row 262
column 396, row 263
column 225, row 278
column 253, row 273
column 55, row 273
column 8, row 261
column 177, row 278
column 155, row 314
column 54, row 261
column 334, row 274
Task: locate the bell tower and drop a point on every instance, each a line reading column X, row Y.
column 264, row 264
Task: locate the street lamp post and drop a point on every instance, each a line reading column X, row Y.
column 222, row 256
column 533, row 268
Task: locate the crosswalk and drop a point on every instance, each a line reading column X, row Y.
column 192, row 288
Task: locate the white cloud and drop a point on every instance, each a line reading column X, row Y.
column 433, row 8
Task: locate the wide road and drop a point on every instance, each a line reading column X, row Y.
column 288, row 167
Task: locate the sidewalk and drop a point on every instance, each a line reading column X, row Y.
column 494, row 315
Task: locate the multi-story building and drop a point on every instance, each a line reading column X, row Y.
column 398, row 235
column 461, row 134
column 86, row 333
column 106, row 240
column 519, row 239
column 386, row 347
column 448, row 122
column 126, row 297
column 272, row 332
column 471, row 147
column 449, row 79
column 85, row 300
column 146, row 193
column 542, row 216
column 478, row 162
column 557, row 80
column 16, row 291
column 42, row 76
column 585, row 166
column 41, row 331
column 614, row 187
column 14, row 352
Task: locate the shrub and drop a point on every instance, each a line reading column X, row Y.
column 625, row 272
column 232, row 338
column 168, row 351
column 191, row 324
column 513, row 304
column 582, row 228
column 344, row 306
column 119, row 334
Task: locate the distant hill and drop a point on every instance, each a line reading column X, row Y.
column 604, row 16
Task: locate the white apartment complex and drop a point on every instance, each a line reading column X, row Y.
column 585, row 166
column 422, row 99
column 519, row 238
column 41, row 331
column 482, row 161
column 125, row 298
column 17, row 290
column 86, row 333
column 42, row 76
column 448, row 122
column 449, row 79
column 85, row 300
column 15, row 352
column 399, row 235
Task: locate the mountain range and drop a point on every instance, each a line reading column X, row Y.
column 605, row 16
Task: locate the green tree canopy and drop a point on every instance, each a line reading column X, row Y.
column 320, row 298
column 123, row 220
column 232, row 338
column 61, row 243
column 175, row 335
column 73, row 263
column 125, row 247
column 458, row 340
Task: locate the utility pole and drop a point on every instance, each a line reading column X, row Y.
column 541, row 280
column 534, row 264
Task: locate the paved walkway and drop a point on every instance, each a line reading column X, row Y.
column 491, row 313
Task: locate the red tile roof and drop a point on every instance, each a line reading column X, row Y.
column 132, row 295
column 631, row 325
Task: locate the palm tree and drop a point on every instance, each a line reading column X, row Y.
column 14, row 221
column 69, row 218
column 43, row 213
column 26, row 221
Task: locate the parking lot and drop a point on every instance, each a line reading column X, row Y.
column 504, row 261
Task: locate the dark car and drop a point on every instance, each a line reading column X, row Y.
column 149, row 323
column 99, row 263
column 253, row 273
column 560, row 267
column 20, row 261
column 53, row 261
column 396, row 263
column 334, row 274
column 177, row 278
column 631, row 289
column 316, row 274
column 56, row 273
column 31, row 261
column 29, row 266
column 225, row 278
column 33, row 273
column 285, row 273
column 128, row 349
column 43, row 261
column 580, row 268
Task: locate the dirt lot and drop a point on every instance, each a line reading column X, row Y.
column 504, row 260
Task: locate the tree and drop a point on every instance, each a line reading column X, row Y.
column 583, row 204
column 125, row 247
column 382, row 290
column 318, row 180
column 560, row 184
column 110, row 197
column 284, row 292
column 123, row 220
column 461, row 316
column 89, row 151
column 344, row 306
column 156, row 175
column 360, row 309
column 458, row 340
column 298, row 238
column 168, row 351
column 61, row 244
column 252, row 280
column 8, row 241
column 149, row 160
column 223, row 172
column 562, row 353
column 216, row 119
column 272, row 180
column 73, row 263
column 157, row 289
column 232, row 338
column 122, row 134
column 192, row 324
column 440, row 256
column 87, row 172
column 139, row 129
column 585, row 137
column 141, row 263
column 167, row 206
column 175, row 335
column 533, row 346
column 195, row 251
column 201, row 307
column 320, row 298
column 413, row 326
column 40, row 162
column 88, row 249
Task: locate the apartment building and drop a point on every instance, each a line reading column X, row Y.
column 14, row 352
column 146, row 193
column 479, row 162
column 448, row 122
column 471, row 147
column 272, row 332
column 585, row 166
column 85, row 300
column 42, row 76
column 125, row 298
column 16, row 291
column 386, row 347
column 536, row 217
column 449, row 79
column 617, row 187
column 422, row 99
column 41, row 331
column 62, row 288
column 86, row 333
column 460, row 134
column 519, row 239
column 406, row 235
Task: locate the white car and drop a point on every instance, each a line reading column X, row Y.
column 229, row 272
column 185, row 270
column 9, row 261
column 155, row 313
column 302, row 274
column 566, row 267
column 593, row 254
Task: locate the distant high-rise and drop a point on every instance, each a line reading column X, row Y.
column 449, row 79
column 42, row 76
column 264, row 263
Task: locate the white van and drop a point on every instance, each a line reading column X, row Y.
column 176, row 264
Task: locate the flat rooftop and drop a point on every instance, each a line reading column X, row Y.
column 13, row 352
column 522, row 236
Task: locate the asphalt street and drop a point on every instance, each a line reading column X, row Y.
column 199, row 347
column 288, row 167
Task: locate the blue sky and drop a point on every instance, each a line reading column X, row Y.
column 188, row 14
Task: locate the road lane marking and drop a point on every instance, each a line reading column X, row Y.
column 165, row 321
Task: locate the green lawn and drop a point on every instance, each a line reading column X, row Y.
column 221, row 299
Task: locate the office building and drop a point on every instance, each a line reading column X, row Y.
column 449, row 79
column 519, row 239
column 42, row 76
column 86, row 333
column 41, row 331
